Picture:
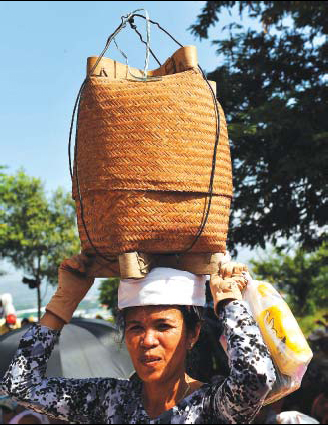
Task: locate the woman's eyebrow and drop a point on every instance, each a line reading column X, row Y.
column 133, row 322
column 165, row 320
column 156, row 321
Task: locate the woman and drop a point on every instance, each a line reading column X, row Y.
column 161, row 324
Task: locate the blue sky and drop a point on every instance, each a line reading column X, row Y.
column 44, row 46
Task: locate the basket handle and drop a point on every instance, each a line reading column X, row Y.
column 76, row 110
column 182, row 60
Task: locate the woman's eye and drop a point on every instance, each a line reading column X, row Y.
column 164, row 327
column 135, row 328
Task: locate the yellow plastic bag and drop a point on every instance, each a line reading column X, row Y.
column 282, row 335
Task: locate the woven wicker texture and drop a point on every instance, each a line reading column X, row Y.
column 152, row 222
column 151, row 136
column 145, row 153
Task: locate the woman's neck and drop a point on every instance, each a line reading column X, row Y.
column 160, row 397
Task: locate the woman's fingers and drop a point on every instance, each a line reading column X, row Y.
column 232, row 269
column 226, row 270
column 241, row 282
column 78, row 263
column 238, row 281
column 239, row 268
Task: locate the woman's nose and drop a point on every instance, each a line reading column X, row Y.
column 149, row 339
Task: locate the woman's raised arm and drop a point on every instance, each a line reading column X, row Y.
column 73, row 400
column 240, row 397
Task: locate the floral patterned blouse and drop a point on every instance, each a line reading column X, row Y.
column 236, row 399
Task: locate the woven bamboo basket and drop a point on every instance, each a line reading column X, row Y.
column 145, row 154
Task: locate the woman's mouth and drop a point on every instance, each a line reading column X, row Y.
column 150, row 360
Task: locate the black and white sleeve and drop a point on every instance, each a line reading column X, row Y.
column 252, row 375
column 73, row 400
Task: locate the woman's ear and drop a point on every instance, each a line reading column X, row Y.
column 193, row 336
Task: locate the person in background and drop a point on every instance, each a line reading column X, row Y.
column 1, row 308
column 320, row 408
column 323, row 323
column 25, row 322
column 9, row 315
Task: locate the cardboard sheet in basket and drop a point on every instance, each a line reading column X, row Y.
column 152, row 166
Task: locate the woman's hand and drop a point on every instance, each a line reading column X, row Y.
column 73, row 285
column 228, row 284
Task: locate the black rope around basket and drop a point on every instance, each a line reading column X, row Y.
column 75, row 173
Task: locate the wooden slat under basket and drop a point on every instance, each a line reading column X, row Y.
column 135, row 265
column 145, row 153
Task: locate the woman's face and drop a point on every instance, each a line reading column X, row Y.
column 157, row 340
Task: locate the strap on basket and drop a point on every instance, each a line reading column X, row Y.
column 129, row 18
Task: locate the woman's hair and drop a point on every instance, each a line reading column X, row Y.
column 192, row 315
column 207, row 359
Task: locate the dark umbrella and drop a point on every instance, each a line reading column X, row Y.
column 86, row 349
column 92, row 348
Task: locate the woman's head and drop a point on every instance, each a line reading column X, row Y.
column 158, row 329
column 158, row 339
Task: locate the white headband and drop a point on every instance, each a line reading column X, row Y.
column 163, row 286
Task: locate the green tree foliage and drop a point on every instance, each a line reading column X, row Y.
column 272, row 86
column 36, row 233
column 302, row 276
column 108, row 294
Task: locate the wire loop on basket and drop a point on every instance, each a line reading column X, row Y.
column 76, row 111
